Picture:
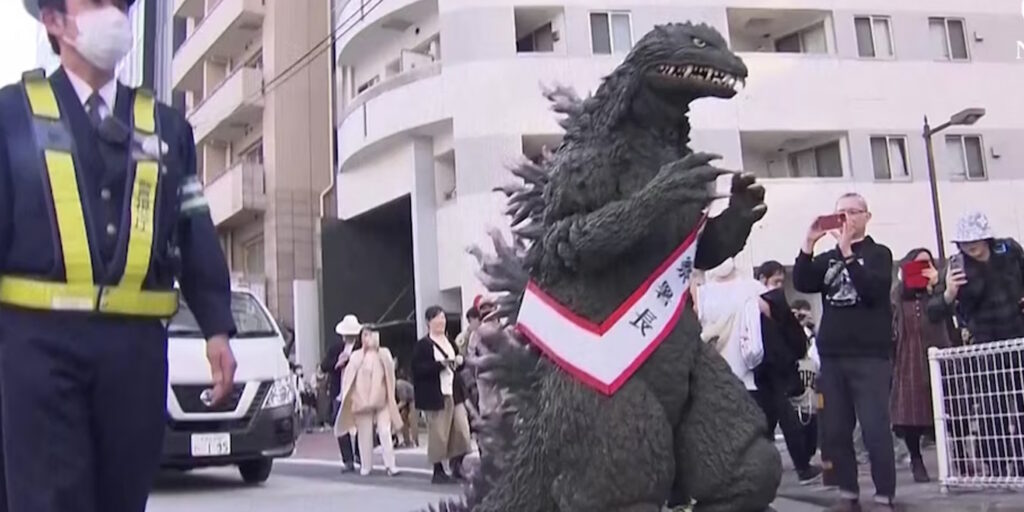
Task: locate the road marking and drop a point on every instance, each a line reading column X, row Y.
column 338, row 464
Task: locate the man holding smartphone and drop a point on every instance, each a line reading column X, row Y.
column 855, row 345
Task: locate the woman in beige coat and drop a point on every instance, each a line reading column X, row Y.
column 368, row 398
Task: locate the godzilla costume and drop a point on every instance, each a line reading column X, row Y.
column 592, row 222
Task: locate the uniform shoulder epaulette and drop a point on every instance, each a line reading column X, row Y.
column 34, row 74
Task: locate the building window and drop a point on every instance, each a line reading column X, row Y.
column 253, row 254
column 611, row 32
column 948, row 38
column 889, row 155
column 541, row 41
column 538, row 29
column 966, row 156
column 366, row 85
column 809, row 40
column 874, row 36
column 822, row 161
column 253, row 154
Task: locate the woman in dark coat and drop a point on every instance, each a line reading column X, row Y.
column 441, row 394
column 915, row 333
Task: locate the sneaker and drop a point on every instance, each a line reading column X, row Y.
column 364, row 471
column 393, row 471
column 920, row 471
column 441, row 478
column 348, row 468
column 809, row 475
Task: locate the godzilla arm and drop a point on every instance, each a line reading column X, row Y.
column 725, row 235
column 596, row 239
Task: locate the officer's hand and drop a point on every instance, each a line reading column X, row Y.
column 222, row 366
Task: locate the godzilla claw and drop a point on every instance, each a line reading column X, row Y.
column 748, row 197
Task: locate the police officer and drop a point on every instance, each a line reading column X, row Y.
column 100, row 213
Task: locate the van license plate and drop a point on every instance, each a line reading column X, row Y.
column 211, row 445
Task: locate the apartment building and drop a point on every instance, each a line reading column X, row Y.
column 438, row 97
column 256, row 79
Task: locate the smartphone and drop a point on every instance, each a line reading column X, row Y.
column 913, row 275
column 956, row 263
column 830, row 222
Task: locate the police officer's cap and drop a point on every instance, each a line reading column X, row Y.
column 32, row 6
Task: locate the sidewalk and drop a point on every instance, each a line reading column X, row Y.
column 915, row 497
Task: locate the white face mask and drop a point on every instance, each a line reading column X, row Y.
column 104, row 36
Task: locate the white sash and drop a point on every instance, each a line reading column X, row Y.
column 605, row 356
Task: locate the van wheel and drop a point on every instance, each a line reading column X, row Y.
column 256, row 471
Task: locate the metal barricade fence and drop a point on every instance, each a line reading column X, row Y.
column 978, row 404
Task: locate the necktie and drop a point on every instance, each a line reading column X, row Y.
column 92, row 107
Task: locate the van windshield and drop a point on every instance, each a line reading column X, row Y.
column 250, row 320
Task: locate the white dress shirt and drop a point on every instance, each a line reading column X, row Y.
column 108, row 92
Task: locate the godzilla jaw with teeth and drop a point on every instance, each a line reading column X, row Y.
column 701, row 79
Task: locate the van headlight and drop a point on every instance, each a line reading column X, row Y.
column 281, row 393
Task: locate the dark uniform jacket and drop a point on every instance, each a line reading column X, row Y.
column 184, row 248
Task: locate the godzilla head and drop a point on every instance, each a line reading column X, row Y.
column 671, row 66
column 681, row 62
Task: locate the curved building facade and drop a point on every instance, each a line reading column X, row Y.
column 437, row 97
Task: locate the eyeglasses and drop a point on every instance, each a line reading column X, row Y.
column 852, row 212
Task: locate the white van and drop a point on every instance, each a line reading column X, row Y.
column 258, row 421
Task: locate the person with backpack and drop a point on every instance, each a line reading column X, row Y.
column 777, row 377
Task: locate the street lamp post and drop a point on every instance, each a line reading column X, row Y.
column 965, row 117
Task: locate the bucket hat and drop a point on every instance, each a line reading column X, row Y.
column 973, row 227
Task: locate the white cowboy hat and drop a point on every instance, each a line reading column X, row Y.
column 348, row 326
column 32, row 6
column 973, row 227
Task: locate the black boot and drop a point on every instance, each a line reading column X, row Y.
column 456, row 466
column 440, row 477
column 345, row 446
column 919, row 470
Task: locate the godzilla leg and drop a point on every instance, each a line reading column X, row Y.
column 724, row 461
column 624, row 461
column 584, row 452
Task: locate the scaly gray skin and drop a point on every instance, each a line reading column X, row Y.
column 592, row 221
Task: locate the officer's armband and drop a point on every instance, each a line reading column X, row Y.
column 191, row 198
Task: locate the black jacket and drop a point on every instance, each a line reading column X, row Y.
column 426, row 377
column 785, row 343
column 855, row 297
column 327, row 366
column 989, row 304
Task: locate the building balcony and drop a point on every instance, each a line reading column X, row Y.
column 228, row 28
column 397, row 105
column 230, row 108
column 237, row 195
column 188, row 8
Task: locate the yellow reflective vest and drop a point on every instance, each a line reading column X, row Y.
column 80, row 292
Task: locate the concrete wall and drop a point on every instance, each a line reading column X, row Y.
column 297, row 151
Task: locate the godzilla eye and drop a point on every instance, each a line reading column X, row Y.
column 699, row 43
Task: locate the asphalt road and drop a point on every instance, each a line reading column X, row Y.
column 312, row 486
column 312, row 489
